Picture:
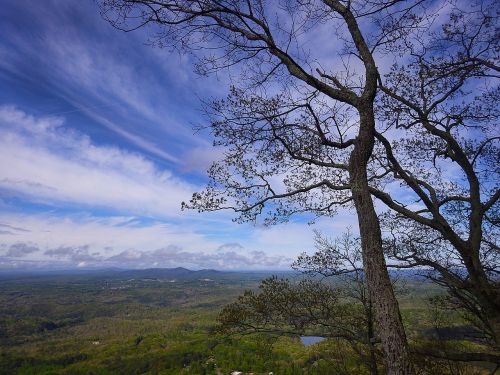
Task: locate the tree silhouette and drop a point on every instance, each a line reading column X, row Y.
column 442, row 103
column 308, row 131
column 331, row 300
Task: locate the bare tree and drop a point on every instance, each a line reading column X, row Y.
column 341, row 259
column 299, row 135
column 332, row 300
column 412, row 245
column 442, row 103
column 306, row 131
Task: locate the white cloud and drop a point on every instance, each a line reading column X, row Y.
column 199, row 159
column 45, row 240
column 114, row 76
column 134, row 139
column 42, row 160
column 47, row 162
column 108, row 235
column 295, row 237
column 174, row 256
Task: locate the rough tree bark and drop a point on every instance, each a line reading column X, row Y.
column 387, row 316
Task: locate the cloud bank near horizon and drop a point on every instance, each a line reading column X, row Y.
column 67, row 257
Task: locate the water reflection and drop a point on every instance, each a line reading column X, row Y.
column 310, row 340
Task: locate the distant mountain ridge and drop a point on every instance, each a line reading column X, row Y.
column 164, row 274
column 171, row 273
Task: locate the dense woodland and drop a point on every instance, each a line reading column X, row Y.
column 134, row 322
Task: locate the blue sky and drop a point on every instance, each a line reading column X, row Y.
column 97, row 151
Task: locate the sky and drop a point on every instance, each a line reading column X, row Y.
column 97, row 152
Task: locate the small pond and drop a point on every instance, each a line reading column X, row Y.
column 310, row 340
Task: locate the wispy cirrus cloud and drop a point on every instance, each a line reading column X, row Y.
column 103, row 184
column 45, row 161
column 136, row 92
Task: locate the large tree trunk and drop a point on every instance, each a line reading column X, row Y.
column 387, row 316
column 371, row 339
